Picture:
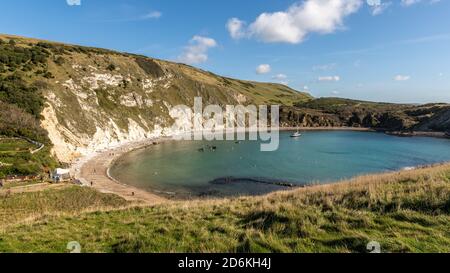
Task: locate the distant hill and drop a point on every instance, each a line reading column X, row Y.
column 383, row 116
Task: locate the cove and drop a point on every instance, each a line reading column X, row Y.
column 192, row 169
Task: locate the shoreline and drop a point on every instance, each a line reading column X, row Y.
column 95, row 167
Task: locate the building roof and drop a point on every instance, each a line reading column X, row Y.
column 60, row 171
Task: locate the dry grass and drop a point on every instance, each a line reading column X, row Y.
column 29, row 207
column 405, row 211
column 416, row 183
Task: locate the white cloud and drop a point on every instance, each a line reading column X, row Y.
column 197, row 51
column 324, row 67
column 300, row 19
column 335, row 92
column 402, row 78
column 381, row 8
column 279, row 77
column 408, row 3
column 441, row 74
column 263, row 69
column 373, row 2
column 236, row 28
column 152, row 15
column 73, row 2
column 329, row 79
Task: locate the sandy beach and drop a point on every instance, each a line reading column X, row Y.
column 93, row 171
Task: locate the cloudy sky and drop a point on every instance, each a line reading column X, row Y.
column 381, row 50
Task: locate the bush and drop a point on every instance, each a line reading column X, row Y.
column 48, row 75
column 16, row 122
column 14, row 90
column 150, row 67
column 111, row 67
column 14, row 57
column 60, row 60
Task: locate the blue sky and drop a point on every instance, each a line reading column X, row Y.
column 394, row 50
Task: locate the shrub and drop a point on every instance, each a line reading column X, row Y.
column 15, row 91
column 150, row 67
column 14, row 57
column 60, row 60
column 48, row 75
column 15, row 122
column 111, row 67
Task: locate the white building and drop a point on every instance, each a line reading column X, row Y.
column 59, row 175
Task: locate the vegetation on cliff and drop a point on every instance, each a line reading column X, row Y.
column 21, row 104
column 339, row 112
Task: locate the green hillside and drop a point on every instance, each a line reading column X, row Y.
column 338, row 112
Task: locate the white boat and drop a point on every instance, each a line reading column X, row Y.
column 296, row 134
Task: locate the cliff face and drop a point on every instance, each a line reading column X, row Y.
column 96, row 98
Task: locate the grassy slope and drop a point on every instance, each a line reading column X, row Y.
column 16, row 157
column 338, row 104
column 385, row 116
column 15, row 145
column 30, row 207
column 405, row 212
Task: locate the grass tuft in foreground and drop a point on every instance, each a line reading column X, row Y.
column 405, row 212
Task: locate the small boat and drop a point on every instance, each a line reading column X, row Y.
column 296, row 134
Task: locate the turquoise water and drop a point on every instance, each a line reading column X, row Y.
column 178, row 168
